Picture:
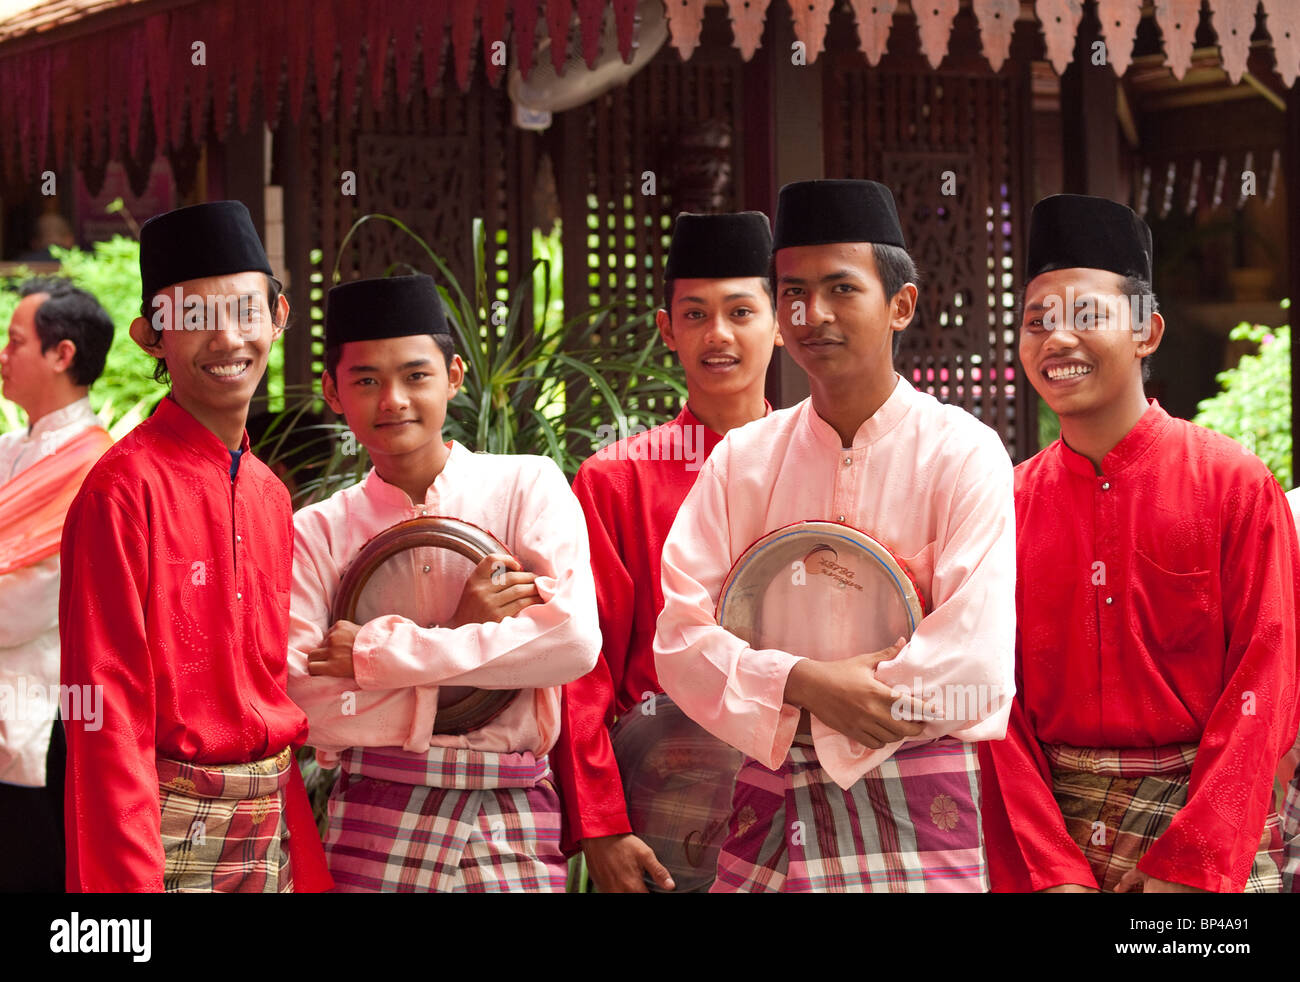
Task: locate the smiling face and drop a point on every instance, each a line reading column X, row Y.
column 394, row 393
column 216, row 341
column 723, row 332
column 1077, row 342
column 837, row 322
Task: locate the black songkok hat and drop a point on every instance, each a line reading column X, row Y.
column 212, row 239
column 389, row 307
column 715, row 247
column 1069, row 231
column 821, row 212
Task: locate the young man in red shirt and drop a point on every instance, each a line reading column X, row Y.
column 177, row 561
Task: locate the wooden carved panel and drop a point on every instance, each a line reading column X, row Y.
column 1234, row 22
column 938, row 226
column 422, row 180
column 685, row 18
column 810, row 20
column 1284, row 29
column 875, row 20
column 747, row 17
column 1060, row 22
column 1119, row 21
column 1177, row 20
column 997, row 20
column 951, row 146
column 934, row 21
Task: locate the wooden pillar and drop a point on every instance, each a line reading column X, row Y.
column 239, row 173
column 1292, row 172
column 1089, row 120
column 293, row 171
column 568, row 156
column 785, row 143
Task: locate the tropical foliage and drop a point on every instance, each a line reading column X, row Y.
column 1254, row 403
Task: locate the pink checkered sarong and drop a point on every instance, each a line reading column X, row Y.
column 910, row 825
column 449, row 821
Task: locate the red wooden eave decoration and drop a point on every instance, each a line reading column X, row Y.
column 79, row 76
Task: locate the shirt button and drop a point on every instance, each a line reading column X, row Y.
column 848, row 461
column 423, row 512
column 1105, row 485
column 1110, row 600
column 839, row 518
column 238, row 537
column 426, row 569
column 239, row 596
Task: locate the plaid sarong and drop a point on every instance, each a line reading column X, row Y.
column 911, row 825
column 1290, row 818
column 451, row 821
column 223, row 828
column 1116, row 803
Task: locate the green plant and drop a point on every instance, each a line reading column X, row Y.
column 1049, row 424
column 1254, row 404
column 535, row 383
column 319, row 457
column 111, row 272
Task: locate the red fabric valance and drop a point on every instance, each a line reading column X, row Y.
column 79, row 76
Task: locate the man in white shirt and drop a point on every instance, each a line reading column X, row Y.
column 58, row 341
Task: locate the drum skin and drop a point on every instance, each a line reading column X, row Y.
column 819, row 589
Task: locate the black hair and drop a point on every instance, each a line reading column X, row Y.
column 1143, row 304
column 896, row 269
column 273, row 291
column 71, row 314
column 446, row 344
column 670, row 284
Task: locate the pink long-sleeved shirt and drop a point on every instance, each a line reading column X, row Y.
column 929, row 481
column 402, row 662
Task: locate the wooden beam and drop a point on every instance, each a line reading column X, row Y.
column 1089, row 122
column 798, row 151
column 1291, row 158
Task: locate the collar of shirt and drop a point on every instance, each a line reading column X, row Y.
column 196, row 437
column 879, row 423
column 74, row 413
column 389, row 495
column 21, row 449
column 1135, row 443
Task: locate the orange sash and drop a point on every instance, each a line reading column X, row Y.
column 33, row 504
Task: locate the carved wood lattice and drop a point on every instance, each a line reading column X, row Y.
column 951, row 147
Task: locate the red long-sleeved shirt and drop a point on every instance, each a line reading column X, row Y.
column 1156, row 605
column 174, row 598
column 630, row 492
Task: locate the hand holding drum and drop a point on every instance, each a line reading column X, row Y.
column 498, row 588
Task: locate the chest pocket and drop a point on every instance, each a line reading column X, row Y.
column 1171, row 611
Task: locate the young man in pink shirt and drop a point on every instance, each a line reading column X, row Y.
column 415, row 811
column 852, row 783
